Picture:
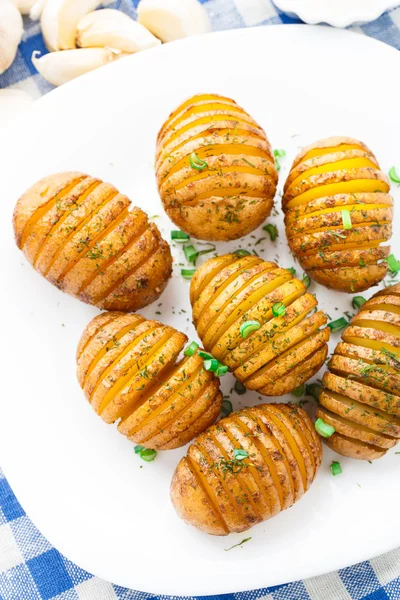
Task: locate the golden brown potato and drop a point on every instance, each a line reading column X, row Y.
column 82, row 236
column 288, row 344
column 361, row 393
column 247, row 468
column 338, row 211
column 128, row 369
column 215, row 169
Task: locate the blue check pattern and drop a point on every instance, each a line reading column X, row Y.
column 30, row 568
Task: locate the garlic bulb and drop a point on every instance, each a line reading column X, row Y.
column 59, row 20
column 11, row 30
column 12, row 104
column 24, row 6
column 112, row 28
column 173, row 19
column 60, row 67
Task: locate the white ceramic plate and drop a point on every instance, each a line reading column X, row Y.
column 339, row 13
column 76, row 477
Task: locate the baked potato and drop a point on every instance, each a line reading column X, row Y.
column 361, row 393
column 83, row 236
column 215, row 169
column 338, row 211
column 254, row 317
column 247, row 468
column 128, row 370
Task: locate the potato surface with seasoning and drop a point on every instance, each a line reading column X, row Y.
column 215, row 169
column 259, row 320
column 247, row 468
column 361, row 393
column 129, row 370
column 338, row 212
column 84, row 237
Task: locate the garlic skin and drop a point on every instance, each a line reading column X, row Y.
column 112, row 28
column 60, row 67
column 11, row 30
column 173, row 19
column 13, row 103
column 59, row 20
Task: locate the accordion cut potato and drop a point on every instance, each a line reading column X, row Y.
column 215, row 169
column 361, row 393
column 82, row 235
column 338, row 212
column 247, row 468
column 288, row 349
column 128, row 370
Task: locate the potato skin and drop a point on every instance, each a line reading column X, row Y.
column 219, row 494
column 81, row 235
column 328, row 177
column 233, row 194
column 361, row 390
column 128, row 369
column 286, row 350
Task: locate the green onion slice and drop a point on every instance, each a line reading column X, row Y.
column 307, row 281
column 278, row 309
column 248, row 327
column 196, row 162
column 279, row 153
column 393, row 175
column 240, row 454
column 179, row 236
column 190, row 253
column 357, row 302
column 188, row 273
column 299, row 391
column 138, row 449
column 205, row 355
column 338, row 325
column 323, row 428
column 393, row 264
column 211, row 364
column 239, row 388
column 146, row 454
column 226, row 408
column 314, row 390
column 191, row 349
column 336, row 468
column 272, row 231
column 292, row 270
column 346, row 218
column 221, row 371
column 241, row 252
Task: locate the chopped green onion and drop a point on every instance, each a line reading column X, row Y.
column 292, row 270
column 221, row 371
column 314, row 390
column 226, row 408
column 179, row 236
column 393, row 175
column 323, row 428
column 393, row 264
column 338, row 325
column 146, row 454
column 346, row 219
column 336, row 468
column 239, row 388
column 196, row 162
column 211, row 364
column 190, row 253
column 205, row 355
column 307, row 281
column 278, row 154
column 138, row 449
column 299, row 391
column 191, row 349
column 357, row 302
column 240, row 454
column 272, row 231
column 241, row 253
column 278, row 309
column 239, row 544
column 248, row 327
column 188, row 273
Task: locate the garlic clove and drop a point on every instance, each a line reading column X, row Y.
column 24, row 6
column 11, row 30
column 59, row 20
column 109, row 27
column 13, row 103
column 36, row 10
column 173, row 19
column 60, row 67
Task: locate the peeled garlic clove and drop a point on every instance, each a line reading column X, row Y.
column 36, row 10
column 24, row 6
column 13, row 103
column 60, row 67
column 11, row 30
column 173, row 19
column 59, row 20
column 112, row 28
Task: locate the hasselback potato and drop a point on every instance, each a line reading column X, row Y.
column 128, row 370
column 254, row 317
column 85, row 238
column 338, row 211
column 361, row 393
column 247, row 468
column 215, row 169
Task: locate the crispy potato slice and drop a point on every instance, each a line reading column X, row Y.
column 354, row 448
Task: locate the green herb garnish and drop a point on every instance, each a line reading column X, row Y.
column 338, row 325
column 239, row 544
column 393, row 175
column 188, row 273
column 299, row 391
column 357, row 302
column 393, row 264
column 279, row 154
column 278, row 309
column 323, row 428
column 179, row 236
column 272, row 231
column 196, row 162
column 226, row 408
column 346, row 219
column 191, row 349
column 239, row 388
column 240, row 454
column 146, row 454
column 336, row 468
column 248, row 327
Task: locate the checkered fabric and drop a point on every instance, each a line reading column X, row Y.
column 30, row 568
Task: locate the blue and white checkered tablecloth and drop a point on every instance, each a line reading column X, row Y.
column 30, row 568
